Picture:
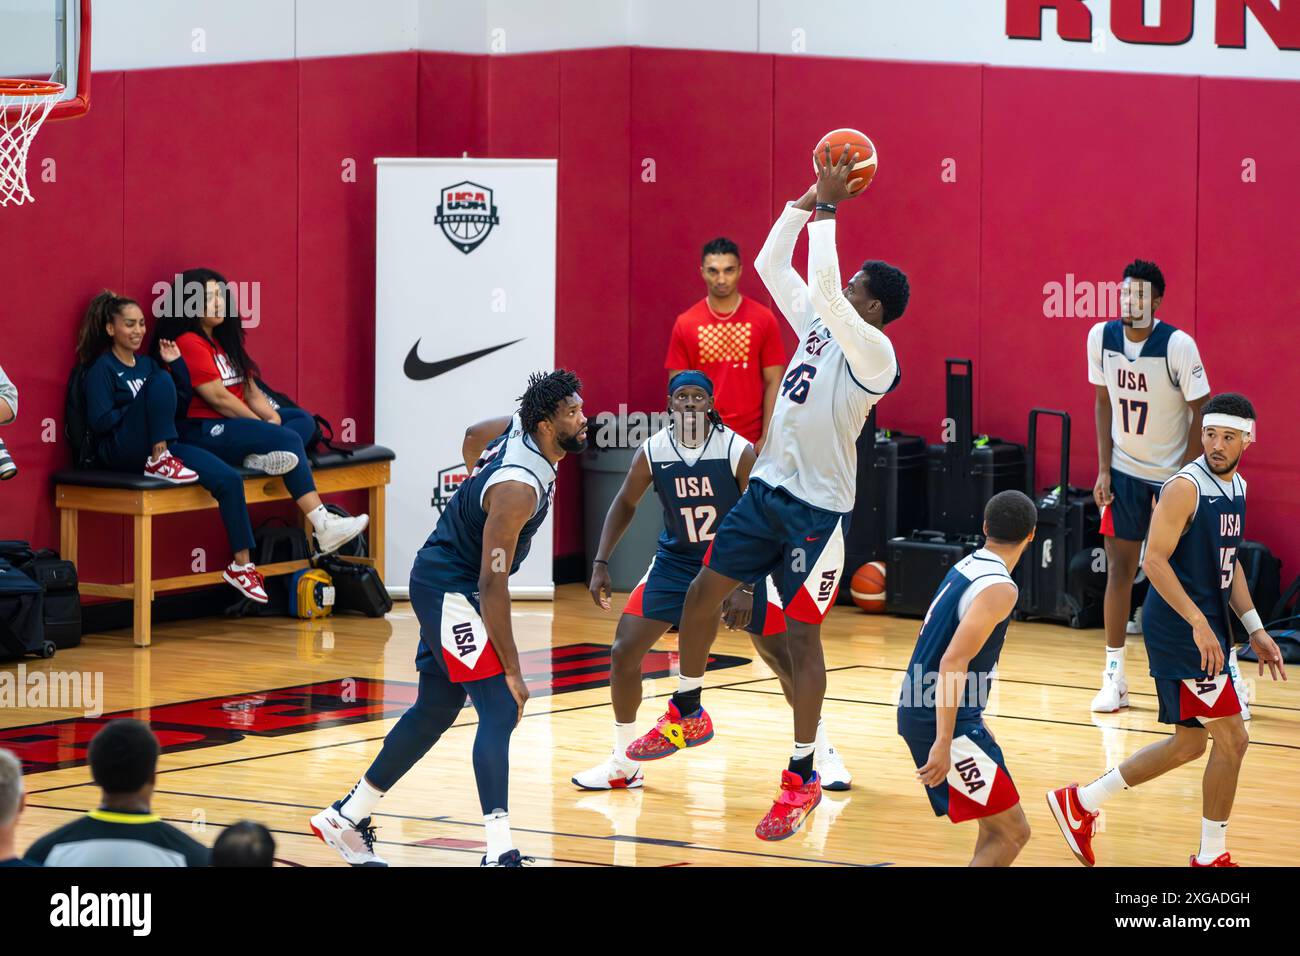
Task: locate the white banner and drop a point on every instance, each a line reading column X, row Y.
column 464, row 311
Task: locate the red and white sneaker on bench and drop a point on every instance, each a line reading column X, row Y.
column 171, row 469
column 247, row 580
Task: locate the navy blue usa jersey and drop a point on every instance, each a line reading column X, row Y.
column 1204, row 561
column 450, row 560
column 960, row 586
column 696, row 487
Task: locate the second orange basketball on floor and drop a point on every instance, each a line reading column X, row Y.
column 868, row 587
column 855, row 141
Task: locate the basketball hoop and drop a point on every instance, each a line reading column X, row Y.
column 24, row 105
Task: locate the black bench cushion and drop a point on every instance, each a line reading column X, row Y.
column 102, row 478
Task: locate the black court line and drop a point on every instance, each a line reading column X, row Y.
column 613, row 838
column 365, row 740
column 1040, row 720
column 181, row 821
column 1039, row 683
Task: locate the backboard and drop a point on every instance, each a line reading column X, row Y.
column 49, row 40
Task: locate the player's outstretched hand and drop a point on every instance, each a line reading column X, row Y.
column 738, row 609
column 935, row 769
column 600, row 587
column 1267, row 651
column 518, row 690
column 1211, row 650
column 833, row 178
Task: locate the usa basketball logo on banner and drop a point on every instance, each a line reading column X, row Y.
column 466, row 215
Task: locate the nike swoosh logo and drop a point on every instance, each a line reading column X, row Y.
column 665, row 464
column 1212, row 500
column 1074, row 821
column 420, row 371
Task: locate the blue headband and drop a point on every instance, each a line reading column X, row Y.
column 691, row 377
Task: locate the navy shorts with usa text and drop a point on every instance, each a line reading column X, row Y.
column 978, row 783
column 769, row 530
column 1128, row 516
column 660, row 595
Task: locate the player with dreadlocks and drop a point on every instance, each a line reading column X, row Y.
column 699, row 469
column 460, row 593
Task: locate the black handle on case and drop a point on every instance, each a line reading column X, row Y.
column 1063, row 495
column 961, row 406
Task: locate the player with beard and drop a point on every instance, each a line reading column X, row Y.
column 460, row 590
column 1191, row 560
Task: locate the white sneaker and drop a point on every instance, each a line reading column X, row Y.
column 610, row 775
column 338, row 531
column 355, row 842
column 1134, row 626
column 1239, row 684
column 830, row 767
column 1112, row 696
column 273, row 462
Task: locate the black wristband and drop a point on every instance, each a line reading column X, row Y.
column 826, row 207
column 599, row 561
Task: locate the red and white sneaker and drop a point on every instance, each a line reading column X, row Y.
column 1077, row 824
column 1223, row 859
column 170, row 469
column 791, row 809
column 610, row 775
column 672, row 733
column 247, row 580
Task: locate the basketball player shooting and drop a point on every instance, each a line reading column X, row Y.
column 1196, row 529
column 698, row 468
column 793, row 515
column 460, row 591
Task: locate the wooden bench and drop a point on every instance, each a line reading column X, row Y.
column 111, row 492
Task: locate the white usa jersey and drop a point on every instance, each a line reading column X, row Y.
column 810, row 449
column 1149, row 395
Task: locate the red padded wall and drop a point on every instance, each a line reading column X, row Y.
column 211, row 179
column 336, row 225
column 1082, row 173
column 908, row 216
column 1247, row 247
column 1057, row 172
column 451, row 104
column 705, row 121
column 593, row 256
column 71, row 240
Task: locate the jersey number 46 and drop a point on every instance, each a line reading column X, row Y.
column 797, row 382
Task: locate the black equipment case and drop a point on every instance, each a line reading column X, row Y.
column 966, row 472
column 1061, row 575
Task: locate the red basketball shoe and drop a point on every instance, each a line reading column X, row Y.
column 1223, row 859
column 672, row 733
column 1077, row 824
column 791, row 809
column 170, row 469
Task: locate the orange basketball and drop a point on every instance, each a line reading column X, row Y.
column 868, row 587
column 856, row 142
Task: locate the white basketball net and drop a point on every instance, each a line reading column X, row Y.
column 20, row 118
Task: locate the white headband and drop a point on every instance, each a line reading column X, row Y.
column 1217, row 419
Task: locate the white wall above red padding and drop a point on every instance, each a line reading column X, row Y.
column 1252, row 38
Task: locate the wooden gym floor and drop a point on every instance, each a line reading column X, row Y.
column 698, row 808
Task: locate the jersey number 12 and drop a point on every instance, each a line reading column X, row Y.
column 705, row 515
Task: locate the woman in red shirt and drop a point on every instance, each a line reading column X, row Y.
column 230, row 416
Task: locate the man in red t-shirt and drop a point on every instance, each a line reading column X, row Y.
column 733, row 340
